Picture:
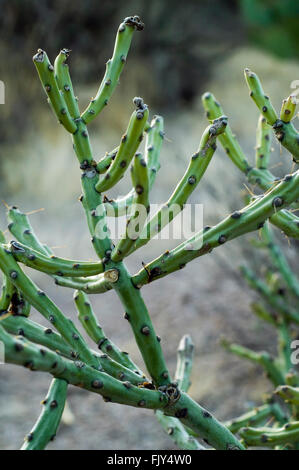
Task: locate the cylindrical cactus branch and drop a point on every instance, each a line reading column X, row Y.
column 53, row 265
column 45, row 306
column 63, row 79
column 21, row 352
column 262, row 358
column 260, row 176
column 288, row 394
column 273, row 299
column 130, row 142
column 254, row 417
column 284, row 130
column 89, row 322
column 263, row 144
column 114, row 67
column 138, row 211
column 288, row 435
column 288, row 109
column 250, row 218
column 196, row 169
column 47, row 424
column 184, row 363
column 153, row 143
column 47, row 77
column 280, row 261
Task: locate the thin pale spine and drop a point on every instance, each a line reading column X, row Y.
column 47, row 77
column 48, row 422
column 114, row 67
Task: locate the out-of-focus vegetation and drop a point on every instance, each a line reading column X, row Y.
column 273, row 25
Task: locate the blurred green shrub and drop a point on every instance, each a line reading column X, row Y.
column 273, row 25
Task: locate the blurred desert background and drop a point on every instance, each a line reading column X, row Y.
column 187, row 48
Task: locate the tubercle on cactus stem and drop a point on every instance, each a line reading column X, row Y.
column 114, row 67
column 89, row 322
column 47, row 77
column 130, row 142
column 45, row 306
column 250, row 218
column 47, row 424
column 153, row 143
column 284, row 130
column 138, row 210
column 196, row 169
column 53, row 265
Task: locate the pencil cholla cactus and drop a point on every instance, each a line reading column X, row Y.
column 61, row 350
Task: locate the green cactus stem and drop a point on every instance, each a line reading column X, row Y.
column 262, row 358
column 251, row 418
column 45, row 306
column 61, row 70
column 240, row 222
column 279, row 260
column 271, row 437
column 138, row 211
column 263, row 144
column 129, row 144
column 89, row 322
column 288, row 394
column 184, row 363
column 20, row 351
column 288, row 109
column 106, row 161
column 275, row 300
column 20, row 227
column 196, row 169
column 48, row 338
column 47, row 424
column 153, row 143
column 177, row 432
column 287, row 222
column 53, row 265
column 262, row 177
column 47, row 77
column 114, row 67
column 139, row 319
column 285, row 132
column 261, row 312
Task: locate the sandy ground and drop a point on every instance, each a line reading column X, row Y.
column 207, row 299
